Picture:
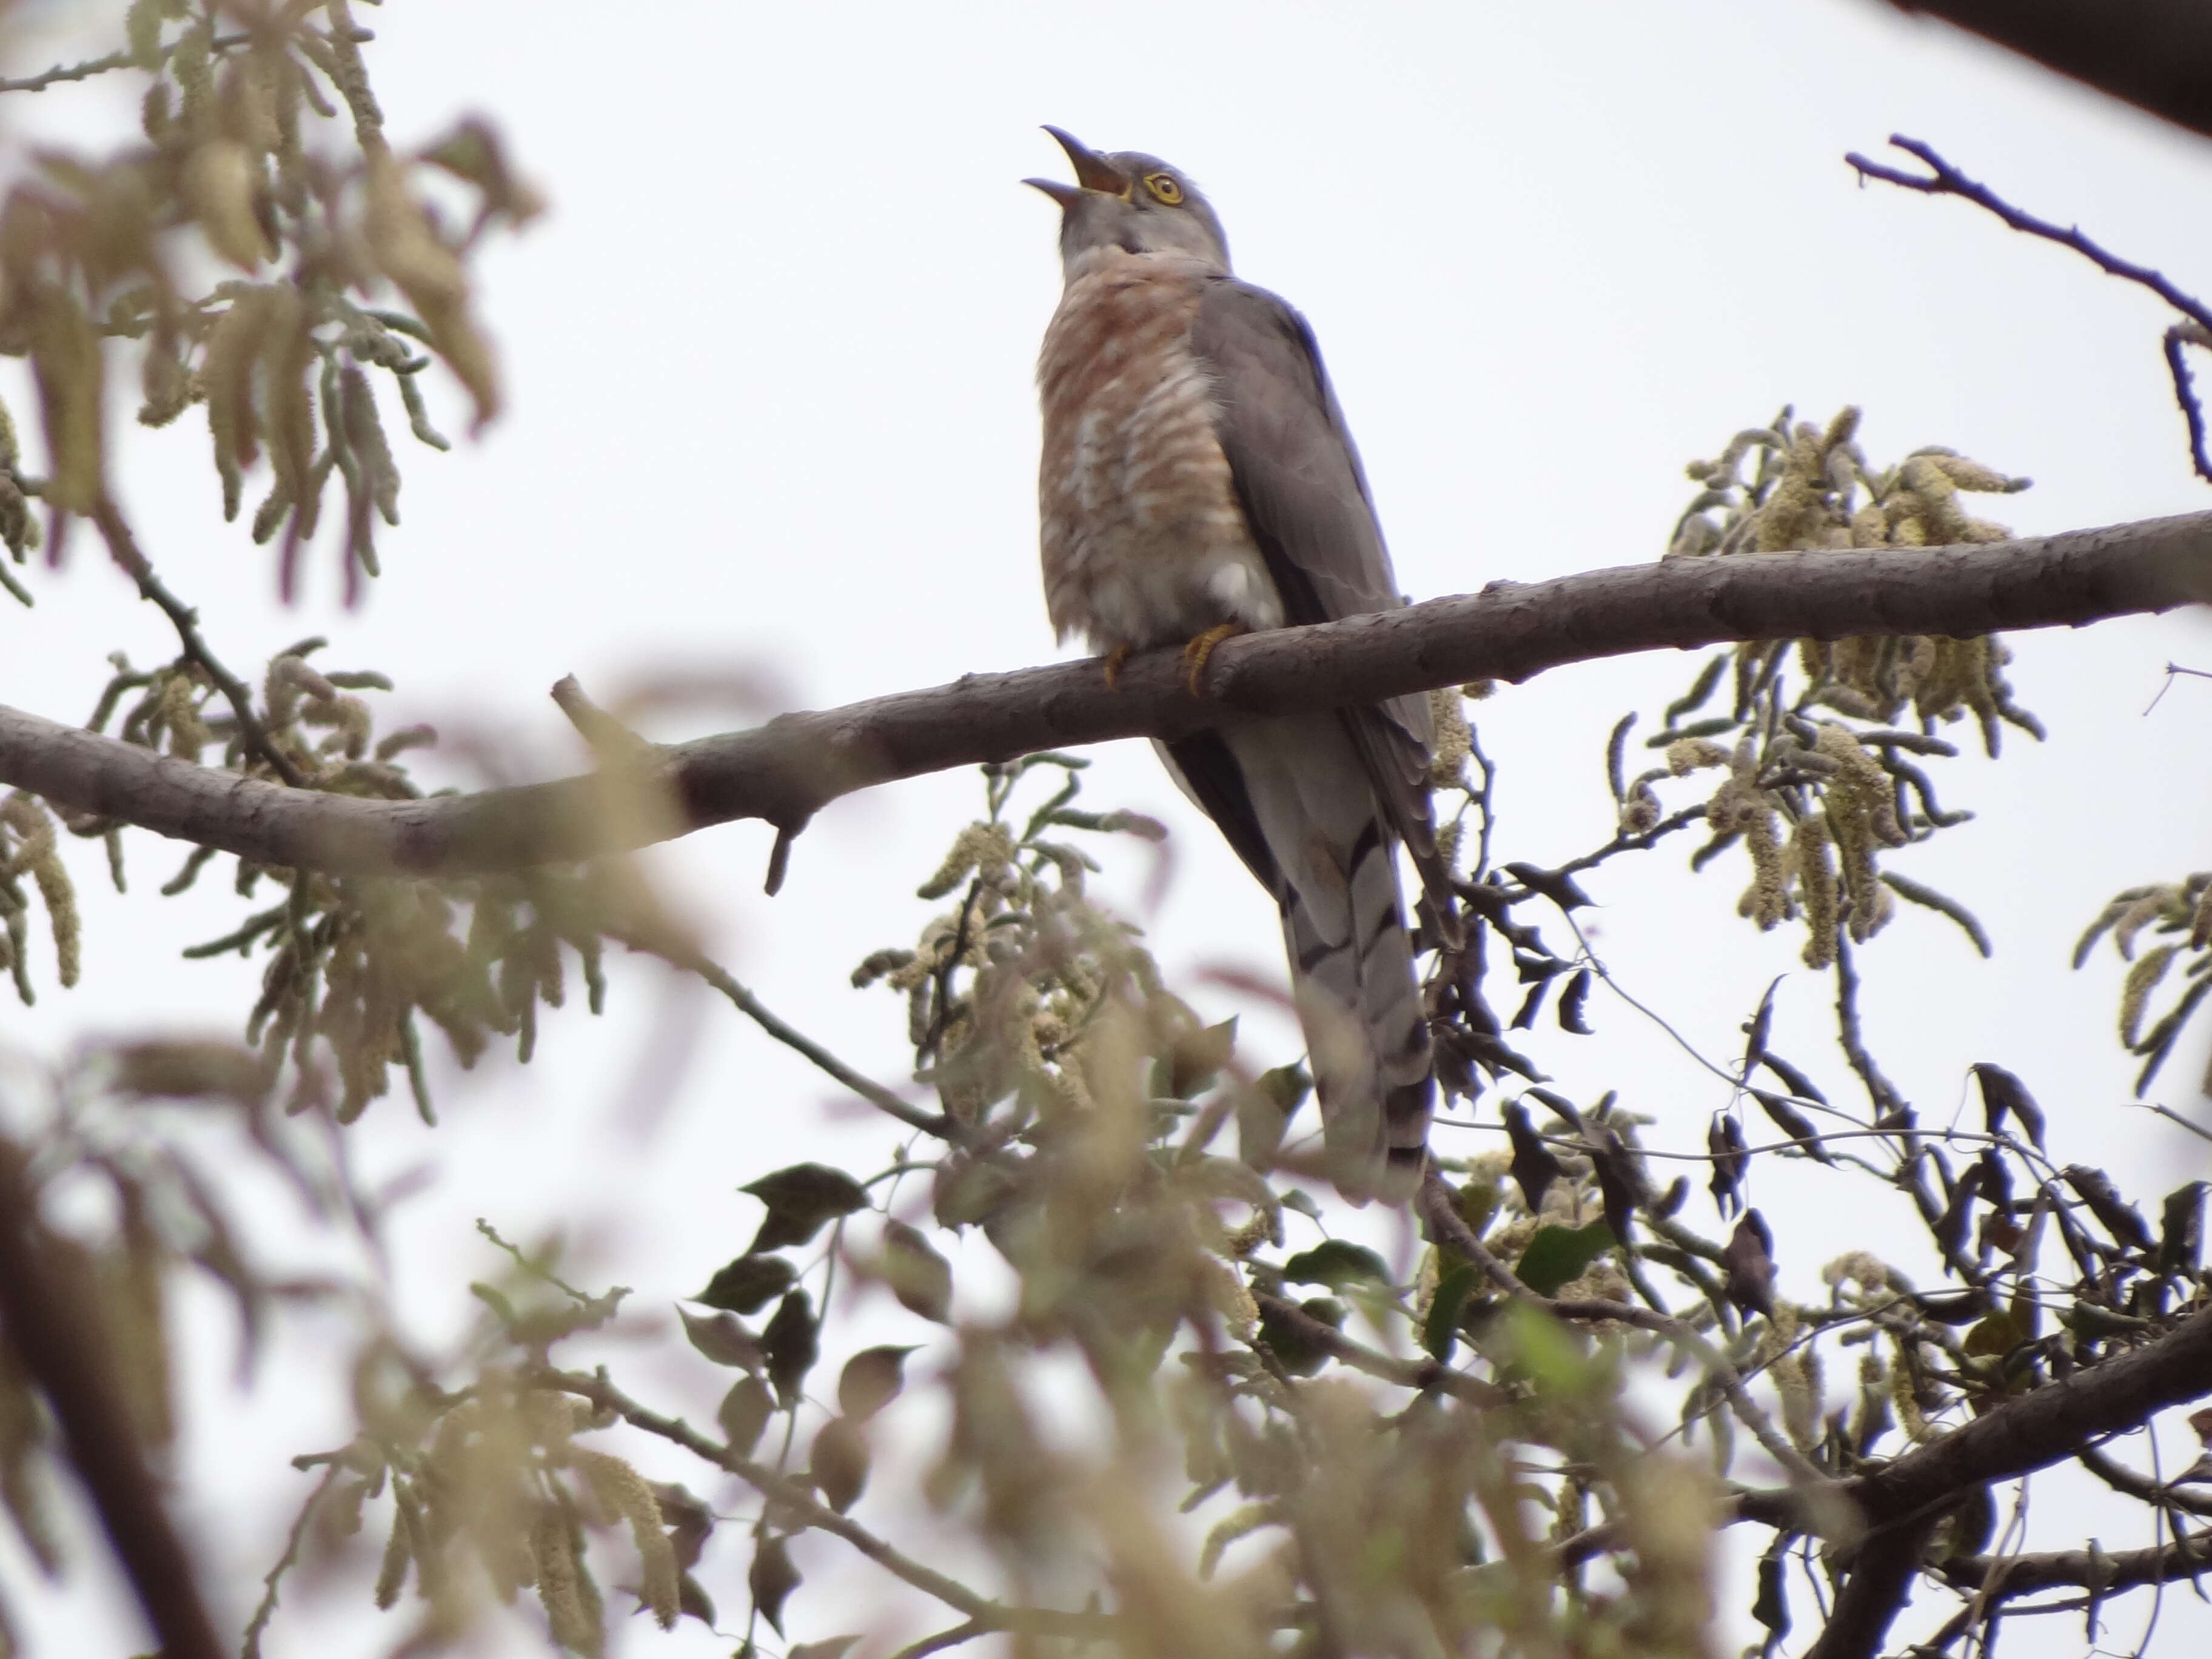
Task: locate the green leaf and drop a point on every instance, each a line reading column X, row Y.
column 1299, row 1200
column 1297, row 1353
column 918, row 1275
column 872, row 1379
column 1551, row 1356
column 748, row 1284
column 497, row 1303
column 1558, row 1256
column 1439, row 1332
column 1286, row 1085
column 1336, row 1263
column 743, row 1414
column 1475, row 1203
column 799, row 1199
column 839, row 1463
column 1996, row 1335
column 792, row 1343
column 772, row 1579
column 1194, row 1061
column 721, row 1339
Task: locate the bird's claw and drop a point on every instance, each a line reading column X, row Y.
column 1196, row 653
column 1114, row 659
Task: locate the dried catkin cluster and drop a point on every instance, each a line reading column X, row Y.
column 265, row 146
column 1004, row 994
column 29, row 849
column 2180, row 913
column 1812, row 487
column 492, row 1479
column 1820, row 781
column 354, row 963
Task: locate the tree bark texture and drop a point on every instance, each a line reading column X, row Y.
column 785, row 771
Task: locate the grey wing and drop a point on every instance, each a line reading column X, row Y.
column 1298, row 477
column 1313, row 804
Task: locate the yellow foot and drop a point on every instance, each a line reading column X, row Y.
column 1114, row 659
column 1196, row 653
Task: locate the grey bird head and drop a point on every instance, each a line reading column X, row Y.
column 1132, row 201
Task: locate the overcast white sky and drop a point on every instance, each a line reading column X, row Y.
column 770, row 359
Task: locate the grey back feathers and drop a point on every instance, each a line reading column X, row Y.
column 1314, row 805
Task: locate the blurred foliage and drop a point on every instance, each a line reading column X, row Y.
column 1307, row 1430
column 240, row 253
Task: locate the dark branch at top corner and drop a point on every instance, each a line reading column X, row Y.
column 2155, row 54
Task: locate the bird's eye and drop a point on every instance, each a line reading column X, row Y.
column 1164, row 188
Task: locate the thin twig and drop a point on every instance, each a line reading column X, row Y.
column 2174, row 341
column 122, row 547
column 933, row 1123
column 2099, row 1570
column 1944, row 179
column 943, row 1640
column 1446, row 1226
column 2173, row 1116
column 1640, row 841
column 804, row 1507
column 1424, row 1375
column 1879, row 1089
column 2121, row 1479
column 251, row 1647
column 59, row 73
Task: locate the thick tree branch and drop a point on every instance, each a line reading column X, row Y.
column 1902, row 1502
column 2048, row 1426
column 1882, row 1576
column 57, row 1336
column 2155, row 54
column 787, row 770
column 2091, row 1570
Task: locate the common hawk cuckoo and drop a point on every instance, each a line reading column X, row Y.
column 1197, row 481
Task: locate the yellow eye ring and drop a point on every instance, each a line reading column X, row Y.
column 1165, row 188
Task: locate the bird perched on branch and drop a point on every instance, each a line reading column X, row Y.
column 1197, row 482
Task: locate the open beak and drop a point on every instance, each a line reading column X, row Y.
column 1092, row 172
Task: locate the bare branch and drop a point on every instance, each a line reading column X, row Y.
column 933, row 1123
column 122, row 547
column 2048, row 1426
column 801, row 1505
column 2140, row 1487
column 2090, row 1569
column 1424, row 1375
column 787, row 770
column 1944, row 179
column 1445, row 1225
column 59, row 73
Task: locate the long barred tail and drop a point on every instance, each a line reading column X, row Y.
column 1292, row 796
column 1359, row 1002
